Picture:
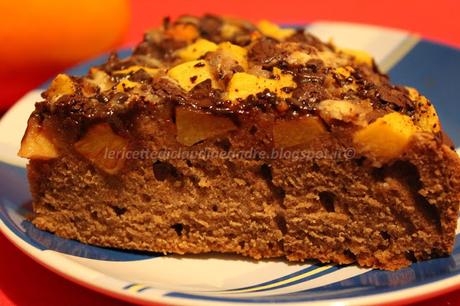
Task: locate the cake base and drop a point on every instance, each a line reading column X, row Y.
column 332, row 210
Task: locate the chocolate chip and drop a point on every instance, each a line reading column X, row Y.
column 396, row 97
column 307, row 38
column 210, row 27
column 102, row 98
column 140, row 76
column 307, row 95
column 120, row 97
column 204, row 95
column 287, row 89
column 314, row 65
column 265, row 52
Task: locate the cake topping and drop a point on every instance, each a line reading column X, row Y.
column 196, row 50
column 345, row 111
column 193, row 126
column 223, row 66
column 60, row 86
column 244, row 84
column 302, row 131
column 272, row 30
column 386, row 137
column 189, row 74
column 425, row 115
column 103, row 147
column 37, row 142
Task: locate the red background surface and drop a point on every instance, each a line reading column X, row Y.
column 24, row 282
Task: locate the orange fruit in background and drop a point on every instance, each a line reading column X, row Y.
column 43, row 33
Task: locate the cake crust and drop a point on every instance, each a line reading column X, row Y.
column 218, row 135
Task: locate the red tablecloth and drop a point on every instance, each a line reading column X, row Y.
column 23, row 282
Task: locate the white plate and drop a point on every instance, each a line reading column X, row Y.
column 227, row 280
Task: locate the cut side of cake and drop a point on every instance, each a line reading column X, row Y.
column 218, row 135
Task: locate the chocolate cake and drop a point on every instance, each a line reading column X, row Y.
column 218, row 135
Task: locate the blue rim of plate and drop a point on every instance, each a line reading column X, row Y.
column 430, row 67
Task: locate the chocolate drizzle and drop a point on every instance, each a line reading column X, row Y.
column 315, row 79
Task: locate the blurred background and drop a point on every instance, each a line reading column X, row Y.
column 39, row 38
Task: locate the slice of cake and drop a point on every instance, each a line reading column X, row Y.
column 217, row 135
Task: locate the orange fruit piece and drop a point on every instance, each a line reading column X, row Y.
column 183, row 32
column 103, row 147
column 59, row 33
